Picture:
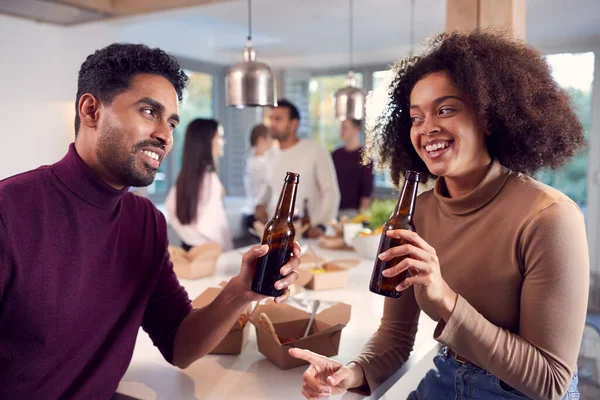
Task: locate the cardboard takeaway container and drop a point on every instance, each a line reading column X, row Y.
column 198, row 262
column 316, row 274
column 234, row 341
column 290, row 323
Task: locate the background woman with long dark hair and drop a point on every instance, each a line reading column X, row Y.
column 195, row 203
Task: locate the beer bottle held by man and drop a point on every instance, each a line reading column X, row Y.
column 402, row 218
column 279, row 234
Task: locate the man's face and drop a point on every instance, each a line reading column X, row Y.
column 281, row 124
column 348, row 130
column 136, row 131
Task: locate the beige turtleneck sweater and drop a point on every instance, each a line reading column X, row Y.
column 515, row 251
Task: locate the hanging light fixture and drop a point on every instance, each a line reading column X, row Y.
column 350, row 100
column 250, row 83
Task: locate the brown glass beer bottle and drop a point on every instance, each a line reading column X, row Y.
column 402, row 218
column 305, row 217
column 279, row 235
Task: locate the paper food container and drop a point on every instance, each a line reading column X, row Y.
column 234, row 341
column 324, row 276
column 333, row 243
column 290, row 323
column 198, row 262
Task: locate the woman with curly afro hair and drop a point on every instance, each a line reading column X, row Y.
column 500, row 260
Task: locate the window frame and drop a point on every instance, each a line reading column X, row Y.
column 593, row 205
column 367, row 85
column 217, row 72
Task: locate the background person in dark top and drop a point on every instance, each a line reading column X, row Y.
column 84, row 262
column 355, row 180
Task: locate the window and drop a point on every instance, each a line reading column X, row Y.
column 381, row 80
column 324, row 127
column 381, row 77
column 575, row 73
column 197, row 103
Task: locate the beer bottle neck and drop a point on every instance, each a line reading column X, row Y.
column 406, row 202
column 287, row 201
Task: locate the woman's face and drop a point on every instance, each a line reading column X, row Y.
column 445, row 131
column 218, row 143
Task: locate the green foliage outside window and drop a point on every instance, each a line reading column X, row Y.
column 574, row 72
column 324, row 127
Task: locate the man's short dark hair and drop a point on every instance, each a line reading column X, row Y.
column 293, row 110
column 356, row 123
column 108, row 72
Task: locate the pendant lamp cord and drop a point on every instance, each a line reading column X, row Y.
column 412, row 26
column 249, row 20
column 351, row 36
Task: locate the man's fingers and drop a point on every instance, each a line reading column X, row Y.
column 297, row 250
column 254, row 253
column 283, row 297
column 291, row 265
column 289, row 280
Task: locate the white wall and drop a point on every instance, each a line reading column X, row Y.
column 33, row 96
column 38, row 83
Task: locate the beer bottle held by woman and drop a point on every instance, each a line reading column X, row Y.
column 279, row 235
column 402, row 218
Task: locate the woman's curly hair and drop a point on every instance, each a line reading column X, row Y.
column 531, row 120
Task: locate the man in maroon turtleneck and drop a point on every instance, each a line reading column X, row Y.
column 84, row 263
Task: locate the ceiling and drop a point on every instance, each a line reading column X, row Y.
column 314, row 33
column 72, row 12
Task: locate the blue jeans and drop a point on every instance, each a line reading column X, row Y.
column 457, row 381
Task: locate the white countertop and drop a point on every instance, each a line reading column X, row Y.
column 250, row 375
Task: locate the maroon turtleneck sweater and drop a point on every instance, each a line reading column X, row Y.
column 82, row 267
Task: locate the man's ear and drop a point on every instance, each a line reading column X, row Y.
column 88, row 109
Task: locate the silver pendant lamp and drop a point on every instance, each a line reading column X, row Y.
column 350, row 100
column 250, row 83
